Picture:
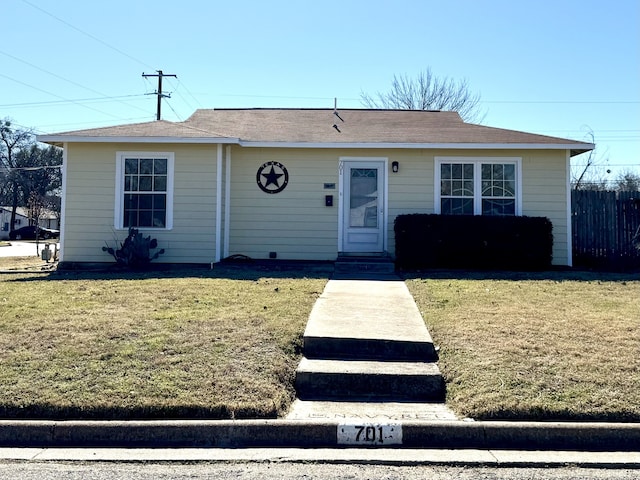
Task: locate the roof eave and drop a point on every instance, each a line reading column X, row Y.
column 575, row 148
column 62, row 139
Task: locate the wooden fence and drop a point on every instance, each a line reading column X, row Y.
column 604, row 224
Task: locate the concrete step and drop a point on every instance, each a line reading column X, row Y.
column 364, row 264
column 419, row 350
column 348, row 379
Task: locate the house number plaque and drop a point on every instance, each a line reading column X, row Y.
column 272, row 177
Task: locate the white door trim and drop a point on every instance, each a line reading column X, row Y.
column 384, row 162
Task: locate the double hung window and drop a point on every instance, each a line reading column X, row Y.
column 477, row 186
column 145, row 190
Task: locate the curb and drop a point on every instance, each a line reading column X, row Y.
column 561, row 436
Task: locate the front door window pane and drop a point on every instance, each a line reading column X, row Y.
column 363, row 198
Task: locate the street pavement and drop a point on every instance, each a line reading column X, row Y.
column 23, row 249
column 388, row 456
column 268, row 470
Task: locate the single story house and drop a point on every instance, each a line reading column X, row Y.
column 5, row 220
column 300, row 184
column 48, row 219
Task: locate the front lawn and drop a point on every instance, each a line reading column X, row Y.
column 220, row 343
column 225, row 343
column 553, row 346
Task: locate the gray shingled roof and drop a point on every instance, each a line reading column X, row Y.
column 315, row 127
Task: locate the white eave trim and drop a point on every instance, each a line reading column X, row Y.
column 457, row 146
column 59, row 139
column 83, row 139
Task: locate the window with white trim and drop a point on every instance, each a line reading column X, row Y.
column 477, row 186
column 145, row 190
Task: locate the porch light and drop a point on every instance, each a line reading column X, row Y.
column 395, row 166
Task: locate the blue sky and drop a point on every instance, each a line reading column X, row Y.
column 556, row 67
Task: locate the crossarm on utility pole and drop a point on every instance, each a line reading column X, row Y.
column 159, row 91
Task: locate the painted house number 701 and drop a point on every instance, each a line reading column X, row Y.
column 369, row 434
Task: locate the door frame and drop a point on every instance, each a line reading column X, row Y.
column 383, row 162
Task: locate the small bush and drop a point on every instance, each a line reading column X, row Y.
column 136, row 250
column 477, row 242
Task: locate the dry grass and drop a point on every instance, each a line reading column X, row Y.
column 32, row 264
column 225, row 343
column 216, row 344
column 548, row 346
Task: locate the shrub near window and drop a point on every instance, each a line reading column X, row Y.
column 473, row 241
column 136, row 250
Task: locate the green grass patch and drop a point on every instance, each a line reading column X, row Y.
column 190, row 344
column 553, row 346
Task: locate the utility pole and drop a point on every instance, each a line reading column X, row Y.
column 159, row 91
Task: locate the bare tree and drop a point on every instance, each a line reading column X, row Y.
column 428, row 92
column 588, row 171
column 627, row 181
column 27, row 169
column 12, row 142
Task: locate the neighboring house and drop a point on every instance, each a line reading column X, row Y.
column 5, row 220
column 300, row 184
column 48, row 219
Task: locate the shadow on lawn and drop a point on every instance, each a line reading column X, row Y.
column 149, row 412
column 255, row 270
column 539, row 414
column 233, row 270
column 559, row 275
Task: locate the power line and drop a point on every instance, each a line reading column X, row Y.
column 173, row 110
column 63, row 78
column 93, row 37
column 108, row 45
column 560, row 102
column 31, row 169
column 40, row 129
column 177, row 91
column 78, row 100
column 55, row 95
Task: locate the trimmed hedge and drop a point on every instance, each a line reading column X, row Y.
column 473, row 241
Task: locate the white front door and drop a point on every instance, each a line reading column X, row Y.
column 362, row 206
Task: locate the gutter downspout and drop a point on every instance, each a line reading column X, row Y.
column 218, row 203
column 569, row 217
column 63, row 201
column 227, row 203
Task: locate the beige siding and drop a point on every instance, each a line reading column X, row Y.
column 411, row 190
column 544, row 183
column 89, row 212
column 294, row 223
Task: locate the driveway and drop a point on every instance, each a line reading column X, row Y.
column 22, row 249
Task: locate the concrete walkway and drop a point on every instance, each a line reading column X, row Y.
column 368, row 312
column 368, row 355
